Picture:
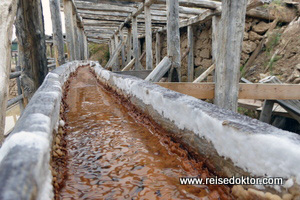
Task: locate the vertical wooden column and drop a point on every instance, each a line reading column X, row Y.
column 69, row 23
column 215, row 33
column 135, row 42
column 32, row 46
column 123, row 49
column 116, row 66
column 173, row 40
column 129, row 45
column 86, row 47
column 8, row 10
column 148, row 27
column 76, row 35
column 190, row 57
column 58, row 40
column 229, row 52
column 158, row 48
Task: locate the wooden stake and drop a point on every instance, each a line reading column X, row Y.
column 158, row 48
column 205, row 74
column 190, row 34
column 136, row 54
column 229, row 52
column 173, row 40
column 148, row 26
column 129, row 45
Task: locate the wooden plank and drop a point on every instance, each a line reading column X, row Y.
column 173, row 40
column 160, row 70
column 190, row 34
column 246, row 91
column 123, row 49
column 116, row 66
column 205, row 74
column 8, row 10
column 149, row 54
column 229, row 53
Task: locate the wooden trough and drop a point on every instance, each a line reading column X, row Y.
column 231, row 144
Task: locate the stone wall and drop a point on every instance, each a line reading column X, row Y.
column 254, row 31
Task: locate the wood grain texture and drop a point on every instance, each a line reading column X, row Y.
column 148, row 29
column 246, row 91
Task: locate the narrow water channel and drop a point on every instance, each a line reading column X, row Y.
column 111, row 156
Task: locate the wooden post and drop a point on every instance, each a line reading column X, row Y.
column 129, row 45
column 158, row 48
column 32, row 46
column 215, row 27
column 135, row 42
column 190, row 34
column 266, row 113
column 229, row 52
column 116, row 66
column 8, row 10
column 123, row 48
column 148, row 27
column 86, row 47
column 76, row 35
column 69, row 23
column 160, row 70
column 173, row 40
column 58, row 40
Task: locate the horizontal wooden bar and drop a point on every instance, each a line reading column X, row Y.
column 246, row 91
column 14, row 100
column 14, row 75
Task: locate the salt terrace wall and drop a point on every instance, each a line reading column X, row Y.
column 25, row 154
column 233, row 144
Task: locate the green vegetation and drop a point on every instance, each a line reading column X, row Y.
column 99, row 52
column 273, row 41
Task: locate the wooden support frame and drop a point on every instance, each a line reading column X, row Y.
column 135, row 42
column 173, row 40
column 8, row 9
column 160, row 70
column 158, row 48
column 246, row 91
column 229, row 52
column 148, row 29
column 190, row 34
column 129, row 45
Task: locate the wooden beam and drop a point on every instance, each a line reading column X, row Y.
column 58, row 40
column 266, row 113
column 229, row 52
column 115, row 55
column 135, row 42
column 158, row 48
column 129, row 45
column 70, row 34
column 8, row 10
column 116, row 66
column 129, row 65
column 204, row 74
column 123, row 48
column 149, row 55
column 173, row 40
column 160, row 70
column 246, row 91
column 190, row 34
column 32, row 47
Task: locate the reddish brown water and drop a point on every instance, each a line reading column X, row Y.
column 111, row 156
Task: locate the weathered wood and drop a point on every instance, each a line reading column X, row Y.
column 115, row 56
column 229, row 52
column 266, row 113
column 32, row 47
column 149, row 55
column 129, row 45
column 173, row 40
column 160, row 70
column 70, row 34
column 116, row 66
column 8, row 10
column 246, row 91
column 123, row 49
column 158, row 48
column 58, row 40
column 139, row 74
column 135, row 42
column 129, row 65
column 14, row 74
column 190, row 34
column 204, row 74
column 86, row 47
